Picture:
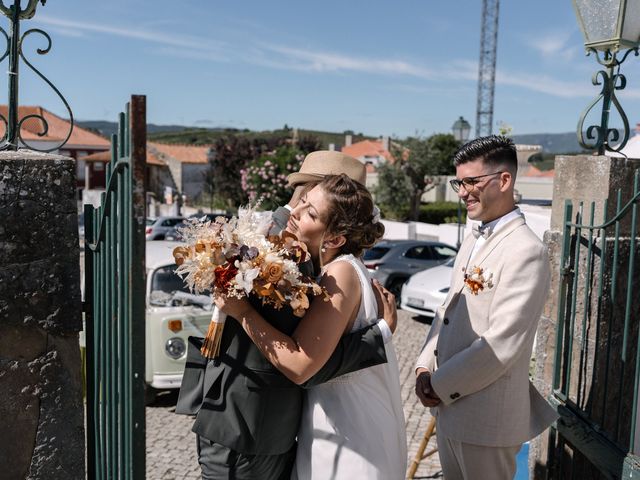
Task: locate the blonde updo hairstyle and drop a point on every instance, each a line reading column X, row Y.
column 351, row 214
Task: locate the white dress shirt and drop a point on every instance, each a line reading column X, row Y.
column 493, row 226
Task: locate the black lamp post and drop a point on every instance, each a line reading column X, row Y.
column 461, row 129
column 609, row 27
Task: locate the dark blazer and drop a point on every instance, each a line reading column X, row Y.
column 243, row 402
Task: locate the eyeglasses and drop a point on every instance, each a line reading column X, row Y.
column 469, row 182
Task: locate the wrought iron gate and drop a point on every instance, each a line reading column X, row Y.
column 114, row 307
column 597, row 359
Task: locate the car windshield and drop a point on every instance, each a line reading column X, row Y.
column 150, row 221
column 165, row 280
column 375, row 253
column 450, row 262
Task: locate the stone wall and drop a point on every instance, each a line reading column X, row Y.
column 41, row 404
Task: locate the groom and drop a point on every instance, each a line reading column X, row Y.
column 248, row 413
column 474, row 365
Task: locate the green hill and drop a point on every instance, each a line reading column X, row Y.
column 204, row 136
column 552, row 143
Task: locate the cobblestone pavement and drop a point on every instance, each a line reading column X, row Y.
column 171, row 448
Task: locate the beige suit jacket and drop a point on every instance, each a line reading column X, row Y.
column 479, row 346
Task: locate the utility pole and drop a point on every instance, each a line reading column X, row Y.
column 487, row 67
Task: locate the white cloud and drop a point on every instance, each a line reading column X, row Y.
column 319, row 61
column 165, row 38
column 554, row 45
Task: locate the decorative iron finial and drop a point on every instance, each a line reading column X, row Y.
column 12, row 137
column 601, row 137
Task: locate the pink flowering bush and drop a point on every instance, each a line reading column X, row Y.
column 265, row 178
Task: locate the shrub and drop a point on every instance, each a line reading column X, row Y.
column 265, row 178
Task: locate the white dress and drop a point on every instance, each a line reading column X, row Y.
column 353, row 426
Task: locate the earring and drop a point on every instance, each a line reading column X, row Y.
column 323, row 250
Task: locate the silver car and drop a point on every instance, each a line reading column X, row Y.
column 158, row 227
column 392, row 262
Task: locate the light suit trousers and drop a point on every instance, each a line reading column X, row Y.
column 465, row 461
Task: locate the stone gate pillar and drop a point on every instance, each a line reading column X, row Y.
column 41, row 405
column 578, row 178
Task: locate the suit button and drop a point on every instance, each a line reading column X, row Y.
column 446, row 321
column 435, row 352
column 455, row 395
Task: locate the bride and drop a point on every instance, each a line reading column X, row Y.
column 352, row 426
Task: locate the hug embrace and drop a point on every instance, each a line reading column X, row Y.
column 318, row 396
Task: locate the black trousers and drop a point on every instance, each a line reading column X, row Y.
column 218, row 462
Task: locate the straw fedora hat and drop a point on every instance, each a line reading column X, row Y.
column 318, row 165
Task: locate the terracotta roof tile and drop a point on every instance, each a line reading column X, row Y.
column 57, row 131
column 536, row 172
column 367, row 148
column 105, row 156
column 182, row 153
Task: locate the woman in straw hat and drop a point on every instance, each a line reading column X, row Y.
column 353, row 425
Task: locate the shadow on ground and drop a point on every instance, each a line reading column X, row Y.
column 163, row 399
column 422, row 319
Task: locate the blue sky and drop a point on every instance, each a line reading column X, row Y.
column 377, row 67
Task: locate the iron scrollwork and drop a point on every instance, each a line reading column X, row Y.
column 13, row 138
column 600, row 137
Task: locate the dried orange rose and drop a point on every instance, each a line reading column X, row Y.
column 272, row 272
column 180, row 254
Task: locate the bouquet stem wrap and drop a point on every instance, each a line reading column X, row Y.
column 211, row 345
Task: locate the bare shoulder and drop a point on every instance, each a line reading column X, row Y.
column 340, row 276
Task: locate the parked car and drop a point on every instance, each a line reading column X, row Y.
column 172, row 315
column 425, row 291
column 158, row 227
column 392, row 262
column 174, row 233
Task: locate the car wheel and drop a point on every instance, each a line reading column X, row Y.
column 395, row 287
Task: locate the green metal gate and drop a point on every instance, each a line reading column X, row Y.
column 115, row 307
column 597, row 359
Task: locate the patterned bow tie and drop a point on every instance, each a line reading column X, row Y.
column 481, row 231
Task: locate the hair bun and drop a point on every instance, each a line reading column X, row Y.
column 352, row 214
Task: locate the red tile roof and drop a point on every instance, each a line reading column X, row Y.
column 105, row 156
column 367, row 148
column 182, row 153
column 536, row 172
column 57, row 131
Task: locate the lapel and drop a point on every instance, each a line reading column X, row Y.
column 494, row 240
column 457, row 280
column 465, row 251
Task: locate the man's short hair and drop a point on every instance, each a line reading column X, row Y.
column 493, row 150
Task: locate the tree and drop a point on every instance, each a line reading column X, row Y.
column 393, row 191
column 230, row 155
column 309, row 143
column 424, row 161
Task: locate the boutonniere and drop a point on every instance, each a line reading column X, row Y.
column 478, row 279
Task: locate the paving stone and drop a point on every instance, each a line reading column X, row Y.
column 171, row 445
